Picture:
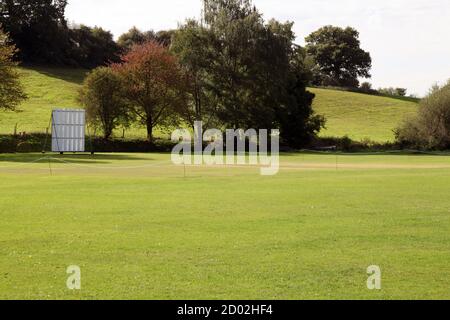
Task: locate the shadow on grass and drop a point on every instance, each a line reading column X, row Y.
column 71, row 158
column 369, row 153
column 73, row 75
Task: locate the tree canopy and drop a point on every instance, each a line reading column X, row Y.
column 40, row 31
column 104, row 101
column 135, row 36
column 245, row 70
column 338, row 56
column 154, row 84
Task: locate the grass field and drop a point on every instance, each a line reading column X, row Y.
column 139, row 228
column 359, row 116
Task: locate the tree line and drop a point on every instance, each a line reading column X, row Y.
column 230, row 68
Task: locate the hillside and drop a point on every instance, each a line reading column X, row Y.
column 47, row 88
column 359, row 116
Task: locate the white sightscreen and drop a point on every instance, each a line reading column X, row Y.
column 68, row 130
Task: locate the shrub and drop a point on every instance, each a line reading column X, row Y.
column 430, row 128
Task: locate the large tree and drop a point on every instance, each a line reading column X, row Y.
column 93, row 47
column 191, row 44
column 154, row 85
column 338, row 56
column 38, row 28
column 243, row 69
column 11, row 90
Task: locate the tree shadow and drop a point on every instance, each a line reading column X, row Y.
column 369, row 153
column 72, row 75
column 71, row 158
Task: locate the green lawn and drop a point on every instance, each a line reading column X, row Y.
column 47, row 88
column 139, row 229
column 361, row 116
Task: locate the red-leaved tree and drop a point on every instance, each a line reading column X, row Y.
column 154, row 85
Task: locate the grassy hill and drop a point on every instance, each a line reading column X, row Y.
column 47, row 88
column 359, row 116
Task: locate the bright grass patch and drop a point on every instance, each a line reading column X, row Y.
column 361, row 116
column 139, row 228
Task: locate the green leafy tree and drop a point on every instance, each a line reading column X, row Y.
column 247, row 71
column 191, row 44
column 11, row 90
column 103, row 97
column 93, row 47
column 38, row 28
column 297, row 120
column 237, row 62
column 134, row 36
column 338, row 56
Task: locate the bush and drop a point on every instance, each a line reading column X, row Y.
column 430, row 128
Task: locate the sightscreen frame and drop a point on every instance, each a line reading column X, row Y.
column 68, row 130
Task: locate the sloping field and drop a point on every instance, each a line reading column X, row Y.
column 47, row 88
column 361, row 116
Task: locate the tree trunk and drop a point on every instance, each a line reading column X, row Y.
column 108, row 133
column 150, row 129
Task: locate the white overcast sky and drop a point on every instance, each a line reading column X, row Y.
column 409, row 40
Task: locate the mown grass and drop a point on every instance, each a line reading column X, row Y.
column 361, row 116
column 140, row 229
column 358, row 116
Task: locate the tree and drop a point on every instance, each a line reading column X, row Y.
column 38, row 28
column 135, row 36
column 164, row 37
column 93, row 47
column 401, row 91
column 395, row 92
column 248, row 70
column 11, row 90
column 154, row 85
column 430, row 128
column 102, row 95
column 338, row 55
column 296, row 117
column 191, row 46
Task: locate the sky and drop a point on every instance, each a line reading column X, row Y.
column 409, row 40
